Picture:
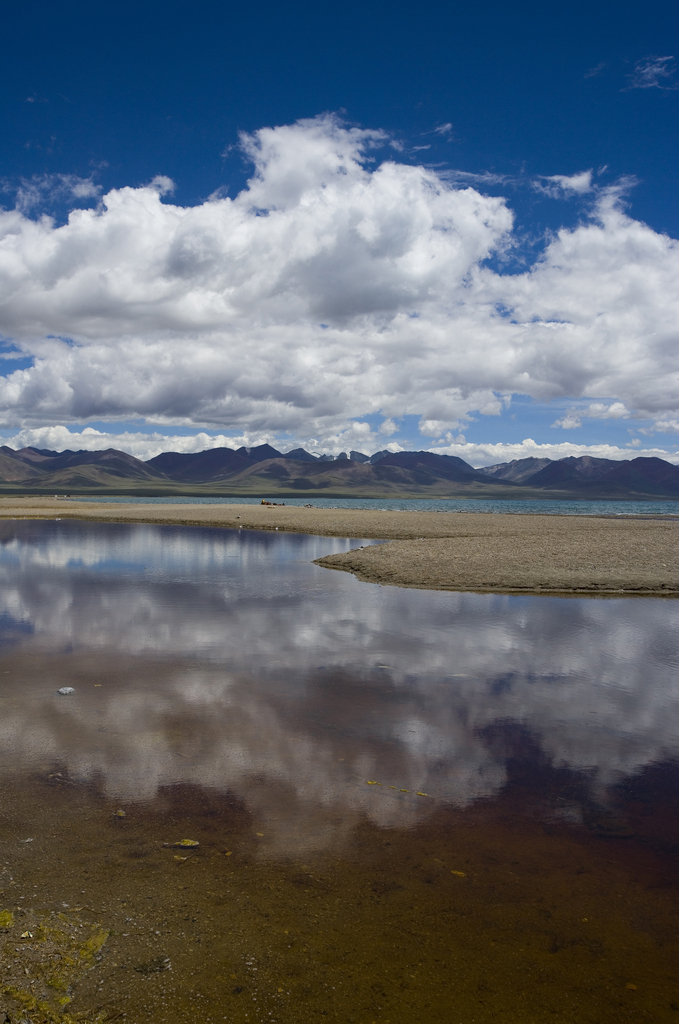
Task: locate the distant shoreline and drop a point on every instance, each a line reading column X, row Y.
column 471, row 551
column 459, row 493
column 446, row 503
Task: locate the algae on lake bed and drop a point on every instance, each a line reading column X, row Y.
column 485, row 913
column 43, row 957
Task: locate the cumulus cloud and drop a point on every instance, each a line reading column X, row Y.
column 138, row 443
column 614, row 411
column 333, row 287
column 492, row 454
column 662, row 427
column 163, row 185
column 147, row 444
column 359, row 436
column 595, row 410
column 571, row 421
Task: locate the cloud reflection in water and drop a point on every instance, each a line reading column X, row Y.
column 226, row 659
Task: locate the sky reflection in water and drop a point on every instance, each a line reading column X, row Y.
column 226, row 659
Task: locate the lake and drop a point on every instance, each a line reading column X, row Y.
column 532, row 506
column 278, row 794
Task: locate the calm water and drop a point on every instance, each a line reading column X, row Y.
column 536, row 507
column 409, row 806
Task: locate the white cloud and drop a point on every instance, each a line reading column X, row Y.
column 141, row 445
column 34, row 192
column 470, row 178
column 387, row 428
column 491, row 454
column 662, row 427
column 556, row 184
column 362, row 438
column 654, row 73
column 601, row 411
column 147, row 444
column 571, row 421
column 163, row 185
column 595, row 410
column 210, row 317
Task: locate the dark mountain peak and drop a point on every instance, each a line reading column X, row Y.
column 301, row 455
column 359, row 457
column 111, row 453
column 200, row 467
column 430, row 460
column 111, row 460
column 653, row 463
column 39, row 458
column 589, row 465
column 46, row 461
column 260, row 453
column 85, row 457
column 378, row 456
column 649, row 470
column 34, row 456
column 13, row 470
column 615, row 476
column 519, row 471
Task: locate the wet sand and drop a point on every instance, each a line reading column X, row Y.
column 439, row 551
column 533, row 554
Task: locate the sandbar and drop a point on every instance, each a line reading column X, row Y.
column 469, row 551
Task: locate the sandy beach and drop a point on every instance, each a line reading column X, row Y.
column 440, row 551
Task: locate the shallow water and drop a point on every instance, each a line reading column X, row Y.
column 410, row 806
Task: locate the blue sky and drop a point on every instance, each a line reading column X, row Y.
column 437, row 226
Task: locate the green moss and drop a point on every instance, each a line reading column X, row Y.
column 93, row 944
column 75, row 956
column 58, row 982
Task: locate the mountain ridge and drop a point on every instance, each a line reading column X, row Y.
column 263, row 469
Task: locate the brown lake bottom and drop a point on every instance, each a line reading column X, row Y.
column 479, row 915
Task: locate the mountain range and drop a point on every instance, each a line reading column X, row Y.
column 265, row 471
